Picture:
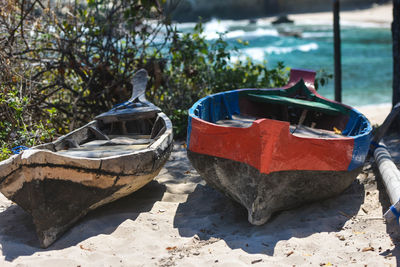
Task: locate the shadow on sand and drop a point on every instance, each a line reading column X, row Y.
column 18, row 236
column 207, row 213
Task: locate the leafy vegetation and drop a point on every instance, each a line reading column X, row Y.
column 60, row 65
column 198, row 67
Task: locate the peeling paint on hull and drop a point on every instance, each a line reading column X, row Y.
column 56, row 203
column 57, row 190
column 263, row 194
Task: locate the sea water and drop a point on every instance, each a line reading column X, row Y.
column 366, row 53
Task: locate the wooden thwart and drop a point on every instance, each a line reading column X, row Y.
column 120, row 145
column 243, row 121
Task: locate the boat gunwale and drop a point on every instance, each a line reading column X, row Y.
column 157, row 147
column 153, row 146
column 366, row 130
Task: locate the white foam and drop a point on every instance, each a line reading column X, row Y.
column 236, row 58
column 317, row 34
column 236, row 34
column 308, row 47
column 289, row 49
column 259, row 53
column 185, row 26
column 215, row 25
column 263, row 22
column 264, row 32
column 242, row 34
column 214, row 28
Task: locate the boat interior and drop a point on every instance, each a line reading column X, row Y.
column 305, row 117
column 98, row 139
column 307, row 114
column 244, row 121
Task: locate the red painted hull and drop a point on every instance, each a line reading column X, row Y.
column 269, row 147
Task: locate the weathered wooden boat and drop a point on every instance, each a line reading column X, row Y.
column 111, row 157
column 274, row 149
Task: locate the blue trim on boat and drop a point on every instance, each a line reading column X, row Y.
column 395, row 213
column 225, row 104
column 18, row 149
column 360, row 128
column 213, row 108
column 189, row 131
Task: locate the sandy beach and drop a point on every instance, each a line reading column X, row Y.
column 178, row 220
column 377, row 16
column 376, row 114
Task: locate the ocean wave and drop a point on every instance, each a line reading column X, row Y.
column 214, row 27
column 209, row 34
column 289, row 49
column 317, row 34
column 218, row 26
column 256, row 33
column 264, row 32
column 185, row 25
column 255, row 53
column 235, row 34
column 259, row 53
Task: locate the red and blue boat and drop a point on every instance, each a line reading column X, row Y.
column 275, row 149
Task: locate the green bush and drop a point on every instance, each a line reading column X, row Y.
column 197, row 67
column 61, row 64
column 22, row 122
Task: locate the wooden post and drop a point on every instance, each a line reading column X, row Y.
column 396, row 60
column 337, row 52
column 396, row 51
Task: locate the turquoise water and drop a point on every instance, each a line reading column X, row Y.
column 366, row 54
